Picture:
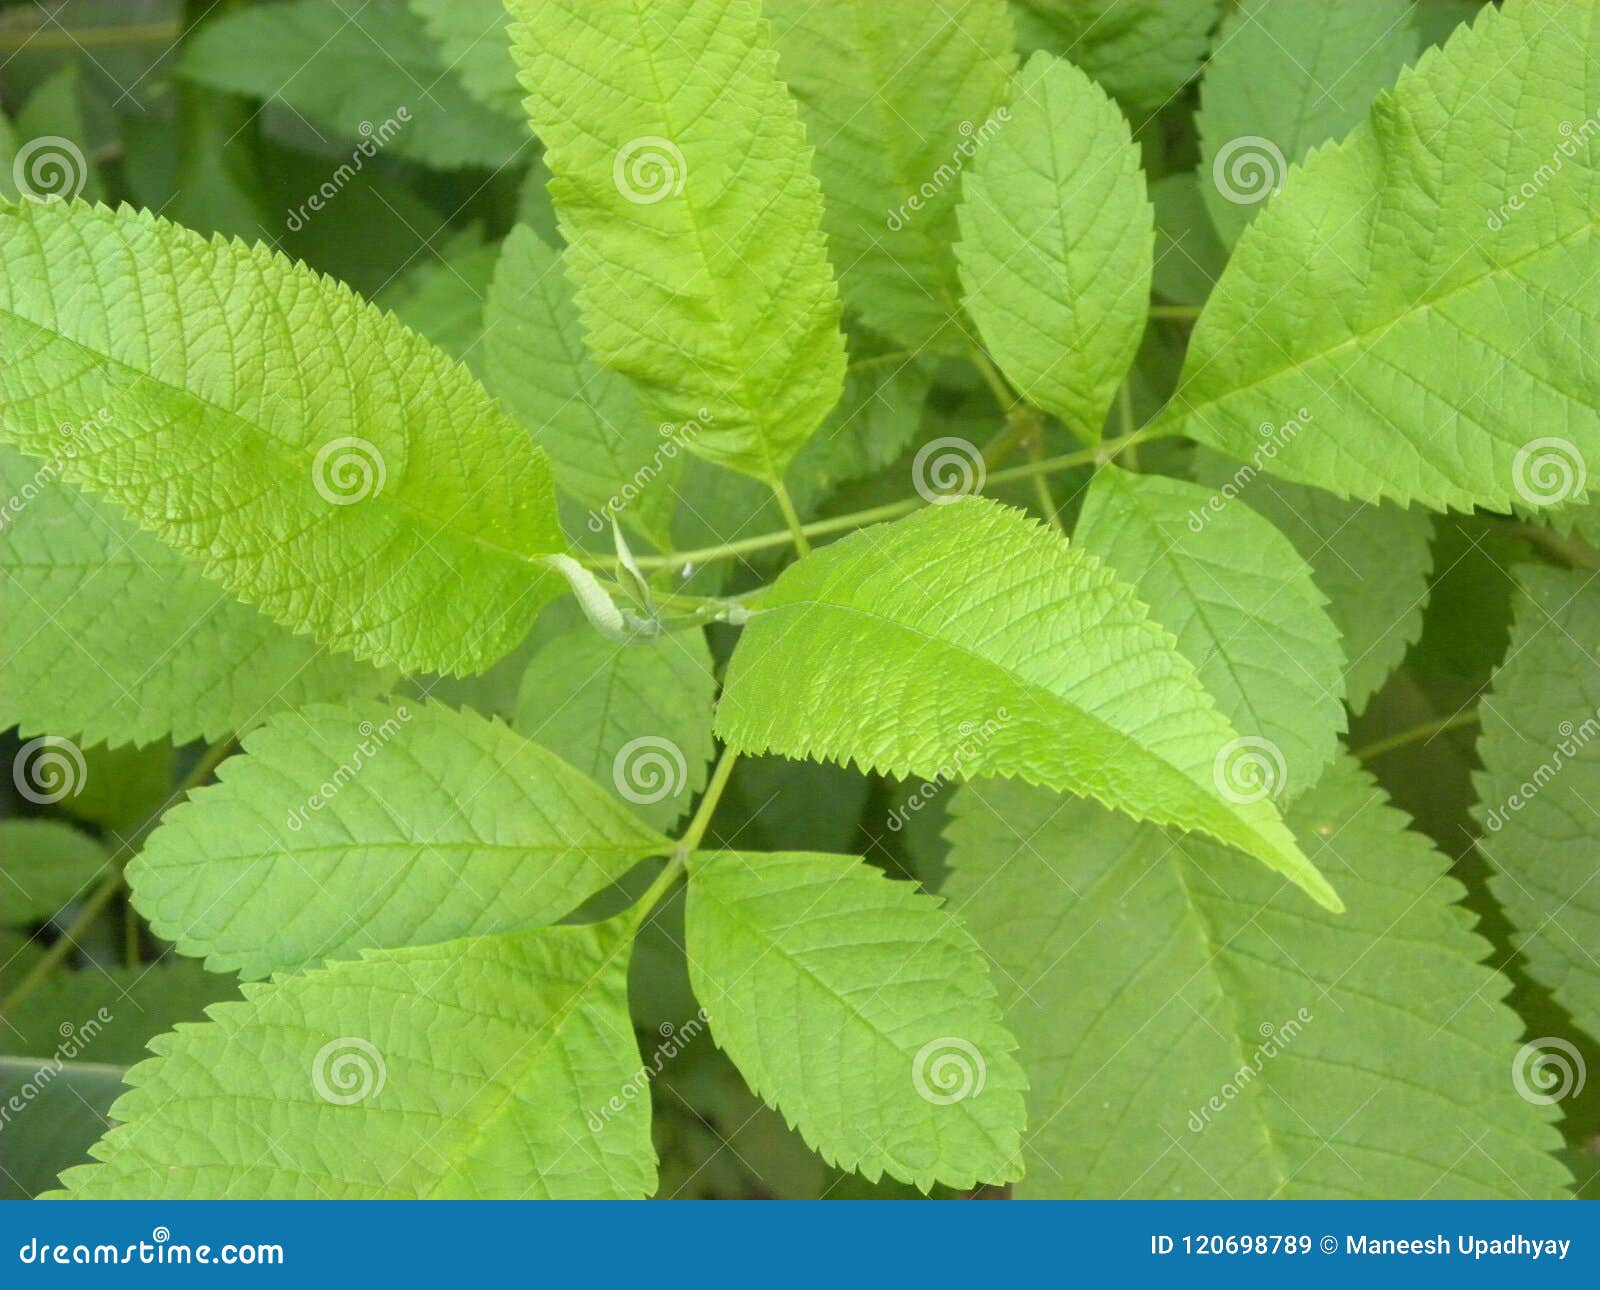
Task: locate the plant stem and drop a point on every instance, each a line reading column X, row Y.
column 38, row 39
column 1179, row 313
column 791, row 517
column 691, row 838
column 92, row 908
column 1572, row 551
column 1418, row 733
column 889, row 510
column 1003, row 393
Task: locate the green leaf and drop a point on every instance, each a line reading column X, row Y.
column 875, row 420
column 1371, row 562
column 894, row 646
column 897, row 100
column 607, row 454
column 43, row 865
column 1392, row 288
column 353, row 71
column 1057, row 245
column 62, row 1117
column 109, row 636
column 1244, row 609
column 735, row 332
column 1189, row 1030
column 633, row 716
column 1286, row 76
column 442, row 296
column 57, row 158
column 1189, row 255
column 344, row 829
column 859, row 1009
column 1143, row 51
column 469, row 1070
column 473, row 38
column 112, row 1015
column 1539, row 783
column 371, row 494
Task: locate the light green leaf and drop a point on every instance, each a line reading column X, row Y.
column 470, row 1070
column 897, row 100
column 1190, row 1030
column 344, row 829
column 353, row 71
column 111, row 1015
column 1430, row 272
column 44, row 864
column 1371, row 562
column 475, row 44
column 1143, row 51
column 1244, row 609
column 892, row 646
column 607, row 454
column 1540, row 782
column 109, row 636
column 735, row 332
column 1057, row 245
column 634, row 716
column 1286, row 76
column 859, row 1009
column 371, row 493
